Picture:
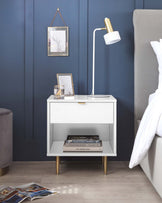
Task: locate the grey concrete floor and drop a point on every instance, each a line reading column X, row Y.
column 85, row 182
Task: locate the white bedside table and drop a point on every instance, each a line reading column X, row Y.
column 81, row 115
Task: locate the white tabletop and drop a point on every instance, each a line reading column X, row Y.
column 83, row 98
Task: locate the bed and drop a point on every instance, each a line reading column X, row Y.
column 147, row 27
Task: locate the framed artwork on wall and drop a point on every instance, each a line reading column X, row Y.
column 58, row 41
column 66, row 79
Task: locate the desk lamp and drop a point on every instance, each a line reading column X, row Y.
column 110, row 37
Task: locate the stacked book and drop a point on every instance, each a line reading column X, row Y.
column 82, row 143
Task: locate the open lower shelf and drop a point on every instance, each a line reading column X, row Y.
column 57, row 150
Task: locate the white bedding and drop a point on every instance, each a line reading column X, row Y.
column 151, row 123
column 159, row 124
column 147, row 129
column 159, row 128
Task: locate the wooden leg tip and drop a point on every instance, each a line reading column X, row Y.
column 105, row 165
column 57, row 164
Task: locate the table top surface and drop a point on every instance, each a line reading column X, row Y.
column 83, row 98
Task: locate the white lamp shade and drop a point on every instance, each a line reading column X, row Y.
column 112, row 37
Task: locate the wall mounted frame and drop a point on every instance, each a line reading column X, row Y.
column 58, row 41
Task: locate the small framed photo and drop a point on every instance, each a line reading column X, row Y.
column 58, row 38
column 66, row 79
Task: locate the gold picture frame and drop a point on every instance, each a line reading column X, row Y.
column 66, row 79
column 58, row 41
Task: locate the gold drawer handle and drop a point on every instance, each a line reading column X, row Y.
column 81, row 102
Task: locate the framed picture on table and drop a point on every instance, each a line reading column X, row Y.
column 58, row 41
column 66, row 79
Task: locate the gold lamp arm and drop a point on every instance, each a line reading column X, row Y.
column 108, row 25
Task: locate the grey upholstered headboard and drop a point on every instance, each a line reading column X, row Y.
column 147, row 27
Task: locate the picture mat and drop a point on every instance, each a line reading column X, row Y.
column 58, row 41
column 66, row 80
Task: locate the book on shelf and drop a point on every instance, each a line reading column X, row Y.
column 82, row 149
column 82, row 139
column 80, row 144
column 83, row 143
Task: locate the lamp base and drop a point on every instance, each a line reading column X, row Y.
column 98, row 96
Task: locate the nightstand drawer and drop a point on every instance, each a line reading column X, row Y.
column 81, row 112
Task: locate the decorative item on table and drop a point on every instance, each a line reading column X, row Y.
column 110, row 37
column 59, row 91
column 66, row 79
column 58, row 38
column 83, row 143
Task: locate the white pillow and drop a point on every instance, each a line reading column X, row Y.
column 157, row 47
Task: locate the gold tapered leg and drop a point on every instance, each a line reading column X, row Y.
column 57, row 164
column 105, row 165
column 3, row 171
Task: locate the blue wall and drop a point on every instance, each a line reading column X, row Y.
column 27, row 74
